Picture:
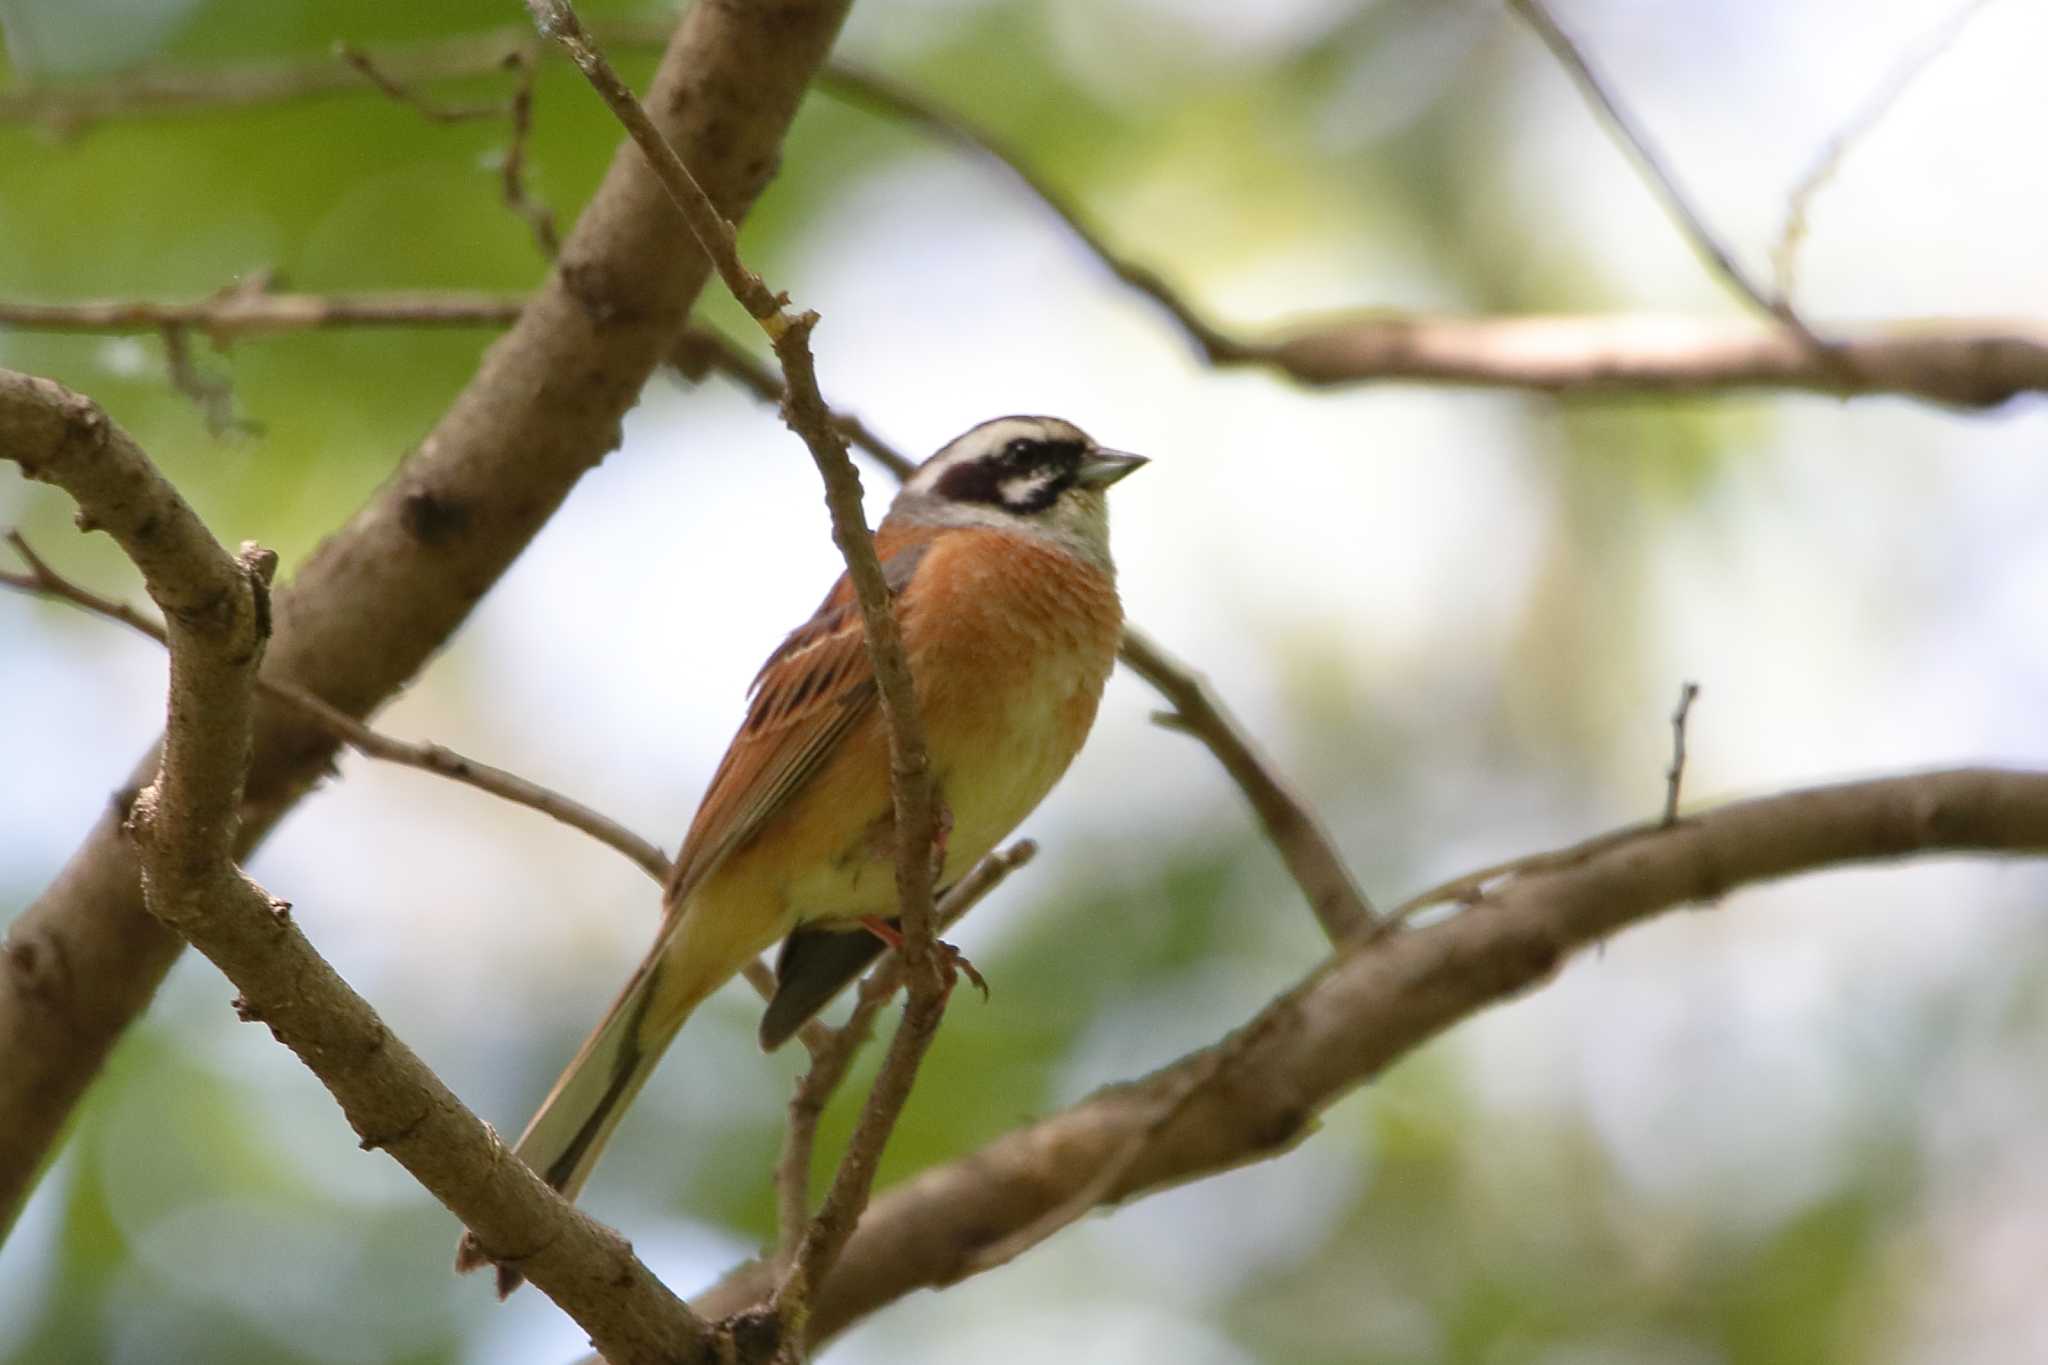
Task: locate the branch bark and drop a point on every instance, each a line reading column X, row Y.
column 217, row 620
column 1257, row 1092
column 915, row 815
column 383, row 593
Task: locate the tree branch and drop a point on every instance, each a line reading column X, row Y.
column 438, row 759
column 157, row 92
column 1657, row 172
column 217, row 620
column 1974, row 363
column 1880, row 101
column 375, row 601
column 833, row 1052
column 1304, row 845
column 911, row 786
column 1966, row 362
column 1255, row 1094
column 235, row 312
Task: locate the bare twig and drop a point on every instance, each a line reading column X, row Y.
column 512, row 169
column 1880, row 102
column 915, row 821
column 1674, row 776
column 217, row 615
column 1373, row 1002
column 382, row 593
column 215, row 398
column 1968, row 362
column 700, row 350
column 833, row 1053
column 888, row 97
column 234, row 312
column 427, row 757
column 1657, row 172
column 516, row 109
column 1305, row 846
column 398, row 88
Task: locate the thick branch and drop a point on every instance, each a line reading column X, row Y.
column 1974, row 362
column 217, row 620
column 382, row 594
column 1969, row 362
column 915, row 803
column 1256, row 1093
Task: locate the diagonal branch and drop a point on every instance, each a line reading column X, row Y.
column 832, row 1054
column 157, row 92
column 1257, row 1093
column 1663, row 181
column 234, row 313
column 915, row 802
column 881, row 95
column 1304, row 845
column 438, row 759
column 1880, row 101
column 383, row 593
column 217, row 620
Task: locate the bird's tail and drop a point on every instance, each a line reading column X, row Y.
column 566, row 1136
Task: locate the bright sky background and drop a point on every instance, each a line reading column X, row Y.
column 1864, row 594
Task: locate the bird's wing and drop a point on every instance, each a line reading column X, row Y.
column 813, row 690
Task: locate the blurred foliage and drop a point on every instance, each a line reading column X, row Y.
column 182, row 1222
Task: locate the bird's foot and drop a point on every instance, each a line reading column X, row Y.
column 953, row 963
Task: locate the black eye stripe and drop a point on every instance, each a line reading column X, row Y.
column 1026, row 475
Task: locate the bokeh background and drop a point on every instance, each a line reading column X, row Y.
column 1806, row 1124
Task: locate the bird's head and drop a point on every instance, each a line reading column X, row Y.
column 1038, row 475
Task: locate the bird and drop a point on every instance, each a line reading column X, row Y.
column 996, row 555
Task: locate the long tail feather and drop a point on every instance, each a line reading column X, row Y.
column 569, row 1132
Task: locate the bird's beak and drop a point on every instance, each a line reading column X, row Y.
column 1100, row 468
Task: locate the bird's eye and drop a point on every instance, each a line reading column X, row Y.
column 1018, row 452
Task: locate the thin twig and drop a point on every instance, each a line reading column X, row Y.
column 1333, row 894
column 1305, row 846
column 428, row 757
column 880, row 94
column 236, row 312
column 401, row 90
column 1662, row 180
column 183, row 828
column 516, row 109
column 700, row 350
column 1370, row 1004
column 155, row 92
column 915, row 802
column 1880, row 102
column 1674, row 776
column 215, row 398
column 512, row 169
column 833, row 1054
column 1471, row 887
